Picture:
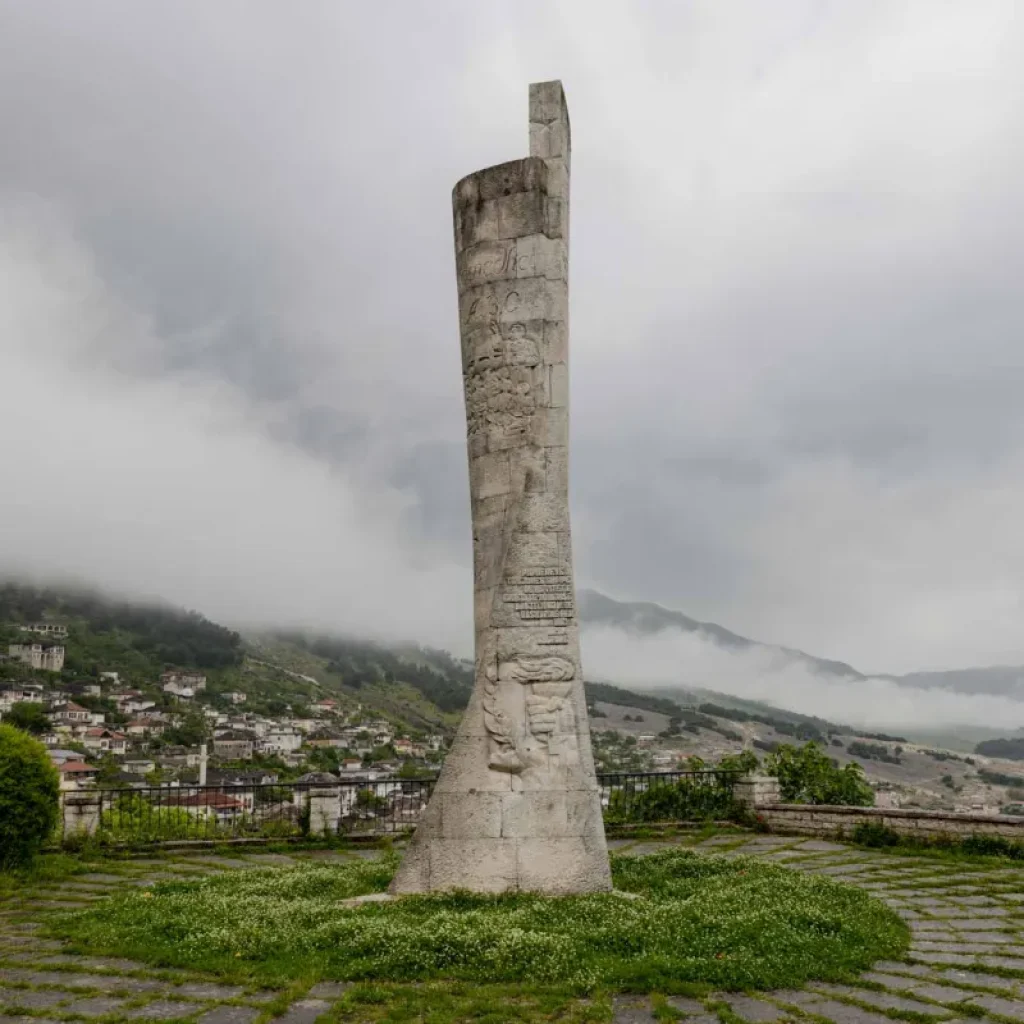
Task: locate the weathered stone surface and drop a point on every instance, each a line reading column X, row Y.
column 229, row 1015
column 517, row 806
column 302, row 1011
column 756, row 1010
column 30, row 999
column 1004, row 1007
column 161, row 1009
column 98, row 1006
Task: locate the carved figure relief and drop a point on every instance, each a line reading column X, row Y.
column 545, row 738
column 499, row 403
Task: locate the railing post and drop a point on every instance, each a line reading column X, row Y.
column 755, row 791
column 81, row 813
column 324, row 810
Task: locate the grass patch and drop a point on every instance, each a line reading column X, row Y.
column 731, row 924
column 47, row 867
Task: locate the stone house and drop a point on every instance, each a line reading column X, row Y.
column 195, row 681
column 53, row 629
column 47, row 657
column 233, row 746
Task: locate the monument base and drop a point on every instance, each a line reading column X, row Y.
column 478, row 847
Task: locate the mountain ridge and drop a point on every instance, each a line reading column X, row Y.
column 645, row 618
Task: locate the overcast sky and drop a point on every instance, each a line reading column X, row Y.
column 229, row 356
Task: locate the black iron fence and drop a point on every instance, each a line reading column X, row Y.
column 634, row 797
column 155, row 814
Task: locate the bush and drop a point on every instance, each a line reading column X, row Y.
column 877, row 835
column 874, row 834
column 992, row 846
column 29, row 793
column 690, row 798
column 807, row 775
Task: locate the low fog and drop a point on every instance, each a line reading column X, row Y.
column 229, row 358
column 676, row 659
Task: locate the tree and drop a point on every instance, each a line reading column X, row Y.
column 108, row 774
column 189, row 732
column 323, row 759
column 29, row 791
column 746, row 761
column 29, row 716
column 807, row 775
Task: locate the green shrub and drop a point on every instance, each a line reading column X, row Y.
column 875, row 834
column 692, row 798
column 807, row 775
column 29, row 794
column 992, row 846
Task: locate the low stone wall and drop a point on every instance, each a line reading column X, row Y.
column 828, row 821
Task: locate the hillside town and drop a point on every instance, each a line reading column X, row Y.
column 174, row 731
column 184, row 727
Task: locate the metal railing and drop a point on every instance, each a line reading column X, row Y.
column 635, row 797
column 157, row 814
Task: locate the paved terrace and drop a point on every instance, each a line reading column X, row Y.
column 967, row 958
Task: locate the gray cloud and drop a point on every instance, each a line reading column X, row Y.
column 796, row 313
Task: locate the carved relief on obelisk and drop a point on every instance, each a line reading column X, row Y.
column 517, row 804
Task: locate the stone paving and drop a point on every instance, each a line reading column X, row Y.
column 966, row 960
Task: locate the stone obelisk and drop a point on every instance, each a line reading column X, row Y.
column 517, row 806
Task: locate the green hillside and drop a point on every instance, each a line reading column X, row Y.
column 422, row 689
column 105, row 634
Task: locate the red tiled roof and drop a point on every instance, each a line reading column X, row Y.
column 75, row 766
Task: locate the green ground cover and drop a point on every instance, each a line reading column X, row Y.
column 694, row 921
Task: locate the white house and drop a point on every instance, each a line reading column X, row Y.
column 182, row 691
column 70, row 714
column 281, row 740
column 105, row 740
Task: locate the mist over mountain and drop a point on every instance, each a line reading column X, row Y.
column 647, row 646
column 644, row 617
